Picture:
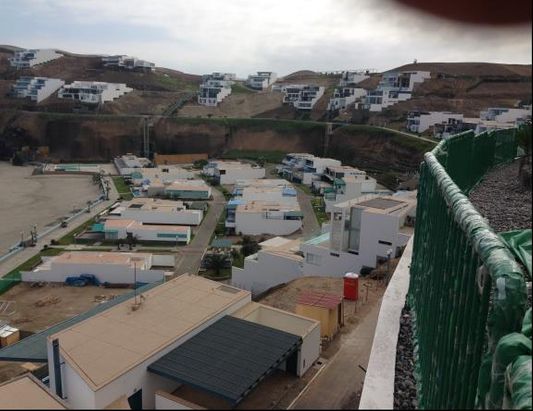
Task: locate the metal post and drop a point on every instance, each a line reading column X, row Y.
column 135, row 280
column 57, row 368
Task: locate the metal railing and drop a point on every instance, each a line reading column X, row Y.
column 466, row 291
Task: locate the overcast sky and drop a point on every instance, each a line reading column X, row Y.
column 244, row 36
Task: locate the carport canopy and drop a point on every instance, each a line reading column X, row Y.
column 227, row 359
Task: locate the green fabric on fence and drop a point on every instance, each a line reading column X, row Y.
column 526, row 324
column 519, row 241
column 508, row 349
column 517, row 394
column 467, row 290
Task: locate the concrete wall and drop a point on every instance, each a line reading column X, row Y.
column 232, row 175
column 378, row 389
column 136, row 378
column 162, row 159
column 250, row 223
column 267, row 271
column 329, row 323
column 111, row 273
column 185, row 217
column 309, row 351
column 166, row 401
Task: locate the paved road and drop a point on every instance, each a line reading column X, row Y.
column 340, row 383
column 310, row 223
column 189, row 257
column 408, row 134
column 20, row 257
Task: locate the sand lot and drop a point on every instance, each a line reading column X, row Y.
column 42, row 200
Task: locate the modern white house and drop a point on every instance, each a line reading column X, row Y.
column 93, row 92
column 179, row 189
column 332, row 172
column 166, row 174
column 228, row 172
column 506, row 115
column 278, row 261
column 151, row 352
column 31, row 57
column 420, row 121
column 36, row 88
column 111, row 267
column 363, row 232
column 262, row 80
column 215, row 87
column 344, row 97
column 348, row 188
column 125, row 62
column 304, row 168
column 351, row 78
column 302, row 96
column 157, row 211
column 130, row 163
column 118, row 229
column 263, row 217
column 393, row 88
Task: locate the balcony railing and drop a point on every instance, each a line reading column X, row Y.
column 466, row 290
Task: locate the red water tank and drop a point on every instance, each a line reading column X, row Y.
column 351, row 286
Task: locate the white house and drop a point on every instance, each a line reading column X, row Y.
column 177, row 190
column 165, row 174
column 173, row 336
column 262, row 80
column 362, row 232
column 111, row 267
column 348, row 188
column 393, row 88
column 304, row 168
column 420, row 121
column 265, row 217
column 93, row 92
column 301, row 96
column 344, row 97
column 123, row 61
column 31, row 57
column 115, row 229
column 506, row 115
column 36, row 88
column 228, row 172
column 351, row 78
column 215, row 87
column 278, row 261
column 157, row 211
column 130, row 163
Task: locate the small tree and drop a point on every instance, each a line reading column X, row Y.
column 249, row 246
column 217, row 262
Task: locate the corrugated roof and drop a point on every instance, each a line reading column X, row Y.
column 229, row 358
column 33, row 348
column 319, row 299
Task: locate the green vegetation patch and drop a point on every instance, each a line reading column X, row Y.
column 280, row 126
column 238, row 88
column 69, row 238
column 320, row 210
column 122, row 188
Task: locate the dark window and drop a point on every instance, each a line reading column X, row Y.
column 334, row 254
column 384, row 242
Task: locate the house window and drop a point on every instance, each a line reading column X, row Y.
column 334, row 254
column 313, row 259
column 384, row 242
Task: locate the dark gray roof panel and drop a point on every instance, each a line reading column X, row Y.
column 228, row 358
column 33, row 348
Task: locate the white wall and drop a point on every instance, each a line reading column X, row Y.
column 265, row 272
column 247, row 173
column 184, row 217
column 136, row 378
column 112, row 273
column 330, row 265
column 309, row 351
column 164, row 403
column 253, row 223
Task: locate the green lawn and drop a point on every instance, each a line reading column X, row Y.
column 122, row 188
column 238, row 88
column 69, row 237
column 319, row 209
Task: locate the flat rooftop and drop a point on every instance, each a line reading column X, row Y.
column 259, row 206
column 392, row 205
column 25, row 392
column 105, row 346
column 151, row 204
column 283, row 247
column 92, row 257
column 381, row 203
column 126, row 223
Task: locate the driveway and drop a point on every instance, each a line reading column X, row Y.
column 189, row 257
column 310, row 223
column 340, row 383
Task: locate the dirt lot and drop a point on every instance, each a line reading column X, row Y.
column 40, row 200
column 285, row 298
column 41, row 307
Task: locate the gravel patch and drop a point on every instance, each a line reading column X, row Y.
column 405, row 397
column 502, row 200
